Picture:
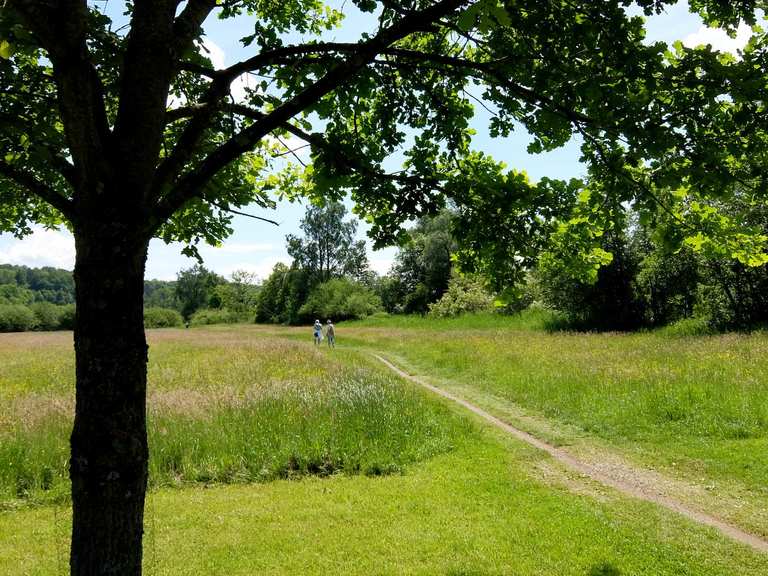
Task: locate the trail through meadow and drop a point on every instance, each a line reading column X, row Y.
column 614, row 473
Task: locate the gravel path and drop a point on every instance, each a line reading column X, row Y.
column 624, row 484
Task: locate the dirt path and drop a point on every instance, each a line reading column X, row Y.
column 623, row 484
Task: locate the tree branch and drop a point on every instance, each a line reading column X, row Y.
column 190, row 185
column 138, row 134
column 61, row 29
column 220, row 207
column 223, row 78
column 55, row 159
column 188, row 23
column 39, row 188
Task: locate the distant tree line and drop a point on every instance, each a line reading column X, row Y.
column 35, row 298
column 647, row 283
column 329, row 276
column 43, row 299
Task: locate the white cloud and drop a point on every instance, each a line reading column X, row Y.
column 238, row 86
column 262, row 269
column 209, row 49
column 41, row 248
column 214, row 52
column 718, row 39
column 381, row 265
column 218, row 58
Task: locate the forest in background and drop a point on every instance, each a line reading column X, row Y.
column 641, row 283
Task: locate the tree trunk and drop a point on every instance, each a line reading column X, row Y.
column 109, row 454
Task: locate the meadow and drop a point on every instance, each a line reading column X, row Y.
column 221, row 409
column 693, row 407
column 270, row 456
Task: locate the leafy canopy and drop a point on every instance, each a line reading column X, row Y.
column 124, row 119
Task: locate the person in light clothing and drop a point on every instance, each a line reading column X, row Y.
column 317, row 331
column 330, row 334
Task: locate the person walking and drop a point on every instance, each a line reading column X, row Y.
column 330, row 334
column 317, row 330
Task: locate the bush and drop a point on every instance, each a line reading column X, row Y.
column 206, row 316
column 16, row 318
column 47, row 315
column 464, row 295
column 699, row 326
column 161, row 318
column 340, row 299
column 666, row 284
column 608, row 303
column 67, row 317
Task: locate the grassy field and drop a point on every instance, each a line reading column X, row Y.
column 693, row 407
column 222, row 409
column 272, row 457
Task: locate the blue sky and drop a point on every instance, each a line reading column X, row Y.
column 256, row 246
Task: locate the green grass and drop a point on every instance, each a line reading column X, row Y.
column 646, row 388
column 476, row 510
column 225, row 409
column 693, row 406
column 270, row 456
column 530, row 319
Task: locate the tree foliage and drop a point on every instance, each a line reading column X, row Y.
column 195, row 288
column 422, row 267
column 464, row 295
column 329, row 248
column 281, row 295
column 339, row 299
column 125, row 131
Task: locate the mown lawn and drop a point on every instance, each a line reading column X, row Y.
column 475, row 510
column 272, row 457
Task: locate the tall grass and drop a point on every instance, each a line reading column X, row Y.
column 227, row 409
column 529, row 319
column 696, row 399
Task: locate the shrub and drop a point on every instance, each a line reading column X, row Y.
column 698, row 326
column 464, row 294
column 47, row 315
column 609, row 302
column 67, row 317
column 161, row 318
column 340, row 299
column 16, row 318
column 666, row 284
column 206, row 316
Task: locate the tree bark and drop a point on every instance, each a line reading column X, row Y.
column 109, row 453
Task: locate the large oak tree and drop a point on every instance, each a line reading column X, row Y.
column 126, row 133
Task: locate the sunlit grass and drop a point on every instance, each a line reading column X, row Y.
column 233, row 407
column 227, row 409
column 698, row 403
column 471, row 511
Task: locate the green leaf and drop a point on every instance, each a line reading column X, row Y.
column 6, row 49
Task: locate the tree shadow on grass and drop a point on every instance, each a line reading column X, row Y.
column 604, row 569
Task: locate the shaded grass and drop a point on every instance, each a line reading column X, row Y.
column 226, row 409
column 472, row 511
